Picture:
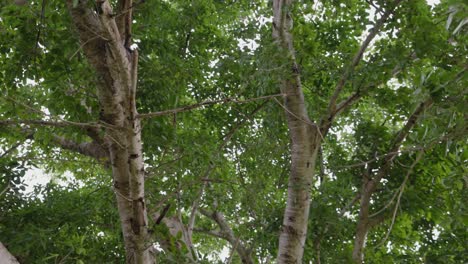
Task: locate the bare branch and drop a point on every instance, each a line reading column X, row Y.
column 206, row 103
column 364, row 163
column 213, row 233
column 91, row 149
column 46, row 123
column 7, row 187
column 303, row 120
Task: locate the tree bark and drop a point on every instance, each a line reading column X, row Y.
column 6, row 257
column 305, row 143
column 107, row 48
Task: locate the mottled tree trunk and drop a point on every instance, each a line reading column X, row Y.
column 305, row 143
column 105, row 40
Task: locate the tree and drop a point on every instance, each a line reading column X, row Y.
column 166, row 98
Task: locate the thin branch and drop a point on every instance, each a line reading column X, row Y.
column 227, row 234
column 400, row 137
column 401, row 189
column 5, row 189
column 229, row 260
column 51, row 123
column 124, row 20
column 386, row 205
column 82, row 45
column 312, row 124
column 206, row 103
column 412, row 120
column 358, row 56
column 350, row 204
column 364, row 163
column 15, row 146
column 213, row 233
column 210, row 167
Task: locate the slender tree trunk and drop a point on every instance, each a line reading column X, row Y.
column 369, row 185
column 106, row 44
column 305, row 143
column 363, row 223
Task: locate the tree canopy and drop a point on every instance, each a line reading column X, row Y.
column 221, row 131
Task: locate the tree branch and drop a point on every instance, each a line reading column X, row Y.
column 206, row 103
column 358, row 56
column 227, row 234
column 401, row 189
column 51, row 123
column 15, row 146
column 90, row 149
column 210, row 167
column 400, row 137
column 124, row 21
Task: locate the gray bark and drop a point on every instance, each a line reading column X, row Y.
column 6, row 257
column 305, row 143
column 106, row 46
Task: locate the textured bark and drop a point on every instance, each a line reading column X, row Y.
column 6, row 257
column 305, row 143
column 107, row 50
column 91, row 149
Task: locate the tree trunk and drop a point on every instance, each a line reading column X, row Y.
column 363, row 223
column 107, row 48
column 305, row 143
column 369, row 185
column 6, row 257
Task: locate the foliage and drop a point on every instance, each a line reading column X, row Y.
column 190, row 52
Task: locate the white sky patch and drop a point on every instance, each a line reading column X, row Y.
column 433, row 2
column 35, row 177
column 436, row 232
column 250, row 44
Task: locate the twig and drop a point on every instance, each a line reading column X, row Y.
column 210, row 167
column 82, row 45
column 350, row 204
column 386, row 205
column 364, row 163
column 205, row 103
column 299, row 118
column 121, row 195
column 6, row 189
column 15, row 146
column 47, row 123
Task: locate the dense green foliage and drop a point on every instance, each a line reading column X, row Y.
column 192, row 51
